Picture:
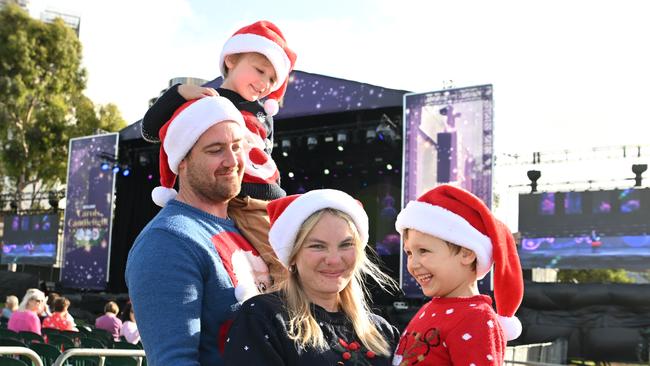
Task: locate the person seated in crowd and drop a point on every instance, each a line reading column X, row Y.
column 59, row 318
column 321, row 315
column 129, row 328
column 26, row 318
column 11, row 305
column 109, row 321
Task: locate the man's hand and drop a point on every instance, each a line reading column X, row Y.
column 190, row 92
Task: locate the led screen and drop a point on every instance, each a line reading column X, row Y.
column 30, row 239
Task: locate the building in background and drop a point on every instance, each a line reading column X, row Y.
column 72, row 21
column 179, row 80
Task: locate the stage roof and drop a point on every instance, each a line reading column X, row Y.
column 313, row 94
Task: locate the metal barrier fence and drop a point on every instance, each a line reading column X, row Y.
column 101, row 353
column 93, row 352
column 538, row 354
column 22, row 351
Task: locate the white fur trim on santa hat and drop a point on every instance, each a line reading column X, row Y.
column 446, row 225
column 186, row 128
column 241, row 43
column 271, row 107
column 511, row 326
column 162, row 195
column 284, row 230
column 245, row 291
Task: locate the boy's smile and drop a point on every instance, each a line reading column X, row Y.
column 439, row 271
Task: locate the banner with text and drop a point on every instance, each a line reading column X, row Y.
column 89, row 212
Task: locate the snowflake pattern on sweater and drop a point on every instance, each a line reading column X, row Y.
column 453, row 331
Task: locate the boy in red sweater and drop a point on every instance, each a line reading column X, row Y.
column 451, row 239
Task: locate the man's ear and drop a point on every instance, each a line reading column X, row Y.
column 182, row 165
column 467, row 256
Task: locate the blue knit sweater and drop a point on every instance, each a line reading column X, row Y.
column 182, row 294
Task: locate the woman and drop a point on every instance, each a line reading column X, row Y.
column 59, row 318
column 109, row 321
column 129, row 329
column 320, row 315
column 26, row 318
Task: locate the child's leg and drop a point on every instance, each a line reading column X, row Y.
column 253, row 221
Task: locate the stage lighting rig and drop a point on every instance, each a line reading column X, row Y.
column 285, row 145
column 387, row 129
column 638, row 170
column 341, row 140
column 533, row 175
column 312, row 142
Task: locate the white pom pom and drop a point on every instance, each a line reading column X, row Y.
column 511, row 326
column 271, row 107
column 244, row 292
column 162, row 195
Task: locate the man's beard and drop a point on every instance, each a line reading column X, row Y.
column 213, row 189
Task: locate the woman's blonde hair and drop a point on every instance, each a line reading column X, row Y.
column 32, row 294
column 111, row 307
column 303, row 327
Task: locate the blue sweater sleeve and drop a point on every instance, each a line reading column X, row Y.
column 165, row 281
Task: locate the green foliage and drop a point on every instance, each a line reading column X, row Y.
column 593, row 276
column 41, row 100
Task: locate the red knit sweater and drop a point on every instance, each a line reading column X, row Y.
column 453, row 331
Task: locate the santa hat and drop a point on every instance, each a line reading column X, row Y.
column 287, row 214
column 457, row 216
column 265, row 38
column 181, row 132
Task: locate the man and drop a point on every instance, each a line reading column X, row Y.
column 190, row 267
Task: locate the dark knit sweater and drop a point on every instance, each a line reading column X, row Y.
column 257, row 121
column 259, row 337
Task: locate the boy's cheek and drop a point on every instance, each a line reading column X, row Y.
column 408, row 265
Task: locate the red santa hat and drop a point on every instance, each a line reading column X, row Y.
column 287, row 214
column 181, row 132
column 457, row 216
column 265, row 38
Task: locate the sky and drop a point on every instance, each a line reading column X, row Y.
column 567, row 75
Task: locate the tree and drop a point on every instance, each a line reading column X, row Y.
column 593, row 276
column 41, row 100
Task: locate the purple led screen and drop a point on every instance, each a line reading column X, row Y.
column 88, row 213
column 590, row 229
column 447, row 139
column 30, row 239
column 547, row 204
column 586, row 251
column 629, row 201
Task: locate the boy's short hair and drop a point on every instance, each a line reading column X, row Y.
column 238, row 56
column 455, row 248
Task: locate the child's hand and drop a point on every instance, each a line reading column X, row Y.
column 190, row 92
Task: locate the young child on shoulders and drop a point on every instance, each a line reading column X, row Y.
column 255, row 63
column 451, row 240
